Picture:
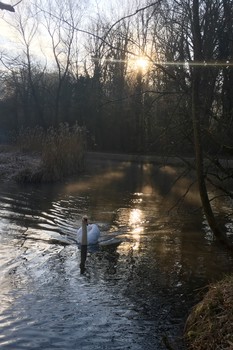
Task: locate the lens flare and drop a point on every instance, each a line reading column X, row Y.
column 141, row 63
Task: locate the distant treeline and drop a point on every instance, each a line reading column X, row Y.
column 123, row 106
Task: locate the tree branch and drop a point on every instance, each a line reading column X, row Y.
column 128, row 16
column 17, row 3
column 7, row 7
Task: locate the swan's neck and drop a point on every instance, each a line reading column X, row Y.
column 84, row 233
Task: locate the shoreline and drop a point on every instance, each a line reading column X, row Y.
column 129, row 157
column 13, row 162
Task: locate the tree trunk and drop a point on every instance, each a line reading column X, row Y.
column 197, row 120
column 199, row 160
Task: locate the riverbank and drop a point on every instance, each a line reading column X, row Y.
column 20, row 166
column 154, row 159
column 13, row 163
column 210, row 324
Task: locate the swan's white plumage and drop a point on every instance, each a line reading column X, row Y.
column 93, row 234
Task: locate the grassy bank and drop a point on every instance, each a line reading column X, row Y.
column 210, row 324
column 61, row 153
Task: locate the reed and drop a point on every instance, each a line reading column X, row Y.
column 61, row 151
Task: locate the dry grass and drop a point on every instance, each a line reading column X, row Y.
column 210, row 324
column 61, row 151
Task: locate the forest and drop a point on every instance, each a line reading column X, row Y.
column 127, row 81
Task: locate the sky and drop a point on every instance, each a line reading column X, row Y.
column 112, row 10
column 89, row 13
column 9, row 35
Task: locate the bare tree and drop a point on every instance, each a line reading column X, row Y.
column 63, row 39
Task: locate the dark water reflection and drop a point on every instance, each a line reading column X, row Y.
column 130, row 297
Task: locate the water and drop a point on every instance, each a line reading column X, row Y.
column 132, row 296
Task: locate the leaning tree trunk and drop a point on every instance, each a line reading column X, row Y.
column 196, row 121
column 199, row 161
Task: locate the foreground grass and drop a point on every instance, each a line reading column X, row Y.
column 210, row 324
column 61, row 152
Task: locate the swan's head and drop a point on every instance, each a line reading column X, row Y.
column 85, row 220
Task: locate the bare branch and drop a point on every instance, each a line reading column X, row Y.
column 128, row 16
column 17, row 3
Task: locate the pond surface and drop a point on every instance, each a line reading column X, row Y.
column 132, row 296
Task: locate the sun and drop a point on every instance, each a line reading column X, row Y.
column 141, row 63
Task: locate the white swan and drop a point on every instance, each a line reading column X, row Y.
column 88, row 233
